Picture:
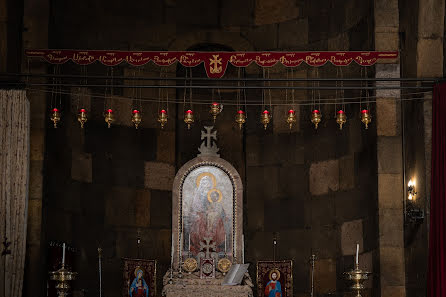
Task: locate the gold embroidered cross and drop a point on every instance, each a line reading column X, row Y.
column 214, row 64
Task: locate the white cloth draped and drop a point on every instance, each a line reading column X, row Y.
column 14, row 173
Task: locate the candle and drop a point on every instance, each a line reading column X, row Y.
column 189, row 243
column 243, row 249
column 225, row 243
column 357, row 253
column 63, row 254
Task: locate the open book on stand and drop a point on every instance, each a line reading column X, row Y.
column 235, row 275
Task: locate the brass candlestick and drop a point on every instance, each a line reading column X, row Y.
column 62, row 276
column 357, row 276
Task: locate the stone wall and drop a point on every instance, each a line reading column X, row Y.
column 315, row 189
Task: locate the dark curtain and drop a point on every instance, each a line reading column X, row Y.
column 436, row 285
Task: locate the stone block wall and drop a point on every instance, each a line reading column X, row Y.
column 314, row 189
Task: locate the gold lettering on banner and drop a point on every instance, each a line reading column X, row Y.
column 235, row 60
column 286, row 61
column 213, row 64
column 263, row 62
column 363, row 61
column 82, row 58
column 336, row 61
column 56, row 59
column 313, row 60
column 138, row 60
column 163, row 61
column 188, row 61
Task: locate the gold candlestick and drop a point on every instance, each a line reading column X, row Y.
column 62, row 276
column 357, row 276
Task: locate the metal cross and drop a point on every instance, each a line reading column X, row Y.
column 207, row 246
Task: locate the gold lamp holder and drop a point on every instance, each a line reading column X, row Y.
column 357, row 277
column 162, row 118
column 316, row 118
column 240, row 118
column 63, row 277
column 215, row 110
column 82, row 117
column 136, row 118
column 265, row 118
column 291, row 119
column 109, row 117
column 55, row 116
column 341, row 118
column 189, row 118
column 366, row 118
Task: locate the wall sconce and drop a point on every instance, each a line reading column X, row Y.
column 414, row 213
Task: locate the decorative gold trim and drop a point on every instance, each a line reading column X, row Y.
column 220, row 195
column 224, row 265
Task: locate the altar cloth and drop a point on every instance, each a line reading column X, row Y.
column 192, row 285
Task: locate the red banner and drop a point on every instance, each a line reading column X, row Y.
column 215, row 62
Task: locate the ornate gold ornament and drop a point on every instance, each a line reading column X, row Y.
column 214, row 180
column 341, row 118
column 109, row 117
column 224, row 265
column 136, row 118
column 265, row 118
column 190, row 265
column 82, row 117
column 215, row 110
column 291, row 119
column 366, row 118
column 162, row 118
column 240, row 118
column 316, row 118
column 213, row 64
column 55, row 116
column 189, row 118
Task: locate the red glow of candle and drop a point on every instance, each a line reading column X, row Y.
column 265, row 111
column 214, row 103
column 55, row 110
column 109, row 110
column 189, row 111
column 82, row 110
column 291, row 111
column 163, row 111
column 340, row 111
column 240, row 111
column 135, row 111
column 364, row 111
column 315, row 111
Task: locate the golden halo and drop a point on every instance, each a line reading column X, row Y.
column 138, row 268
column 214, row 181
column 220, row 196
column 276, row 271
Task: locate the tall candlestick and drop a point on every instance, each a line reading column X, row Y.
column 189, row 244
column 225, row 243
column 100, row 271
column 63, row 254
column 171, row 254
column 357, row 253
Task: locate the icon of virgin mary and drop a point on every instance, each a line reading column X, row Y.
column 207, row 213
column 139, row 286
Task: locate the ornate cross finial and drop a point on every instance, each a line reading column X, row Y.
column 208, row 146
column 208, row 246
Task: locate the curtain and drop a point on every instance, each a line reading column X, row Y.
column 14, row 168
column 436, row 280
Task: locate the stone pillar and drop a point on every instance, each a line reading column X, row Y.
column 389, row 157
column 429, row 64
column 3, row 34
column 35, row 35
